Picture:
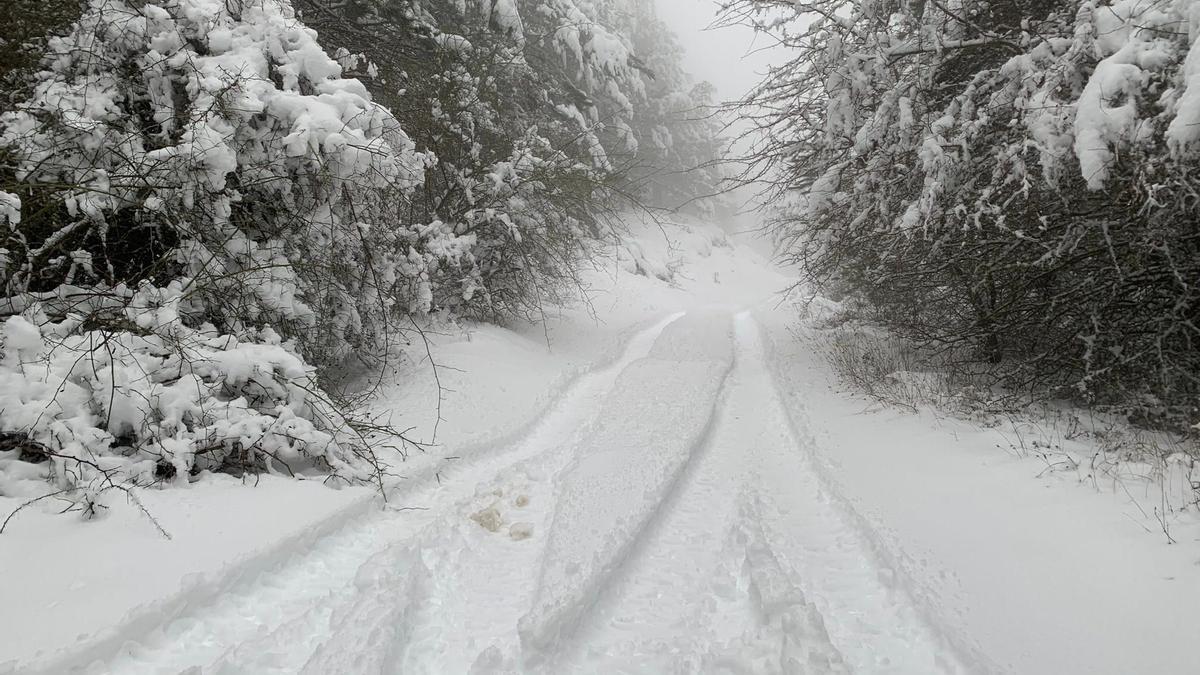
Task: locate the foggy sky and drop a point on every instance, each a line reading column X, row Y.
column 719, row 55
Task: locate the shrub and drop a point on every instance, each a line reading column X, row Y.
column 1010, row 182
column 195, row 203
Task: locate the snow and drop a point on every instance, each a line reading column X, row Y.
column 664, row 476
column 1127, row 34
column 1028, row 570
column 132, row 580
column 657, row 413
column 1184, row 130
column 747, row 566
column 666, row 480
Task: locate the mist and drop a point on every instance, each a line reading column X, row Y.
column 732, row 58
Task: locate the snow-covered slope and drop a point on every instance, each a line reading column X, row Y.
column 662, row 481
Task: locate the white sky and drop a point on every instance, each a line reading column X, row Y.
column 733, row 61
column 719, row 55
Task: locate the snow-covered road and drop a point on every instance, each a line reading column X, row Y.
column 679, row 487
column 745, row 565
column 663, row 516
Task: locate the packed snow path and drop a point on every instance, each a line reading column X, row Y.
column 664, row 516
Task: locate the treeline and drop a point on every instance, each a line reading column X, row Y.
column 210, row 210
column 1011, row 184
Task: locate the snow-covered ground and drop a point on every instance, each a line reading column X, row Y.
column 665, row 481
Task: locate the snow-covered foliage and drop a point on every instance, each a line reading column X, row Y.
column 599, row 82
column 23, row 36
column 679, row 135
column 208, row 213
column 1012, row 176
column 104, row 409
column 538, row 114
column 238, row 148
column 190, row 181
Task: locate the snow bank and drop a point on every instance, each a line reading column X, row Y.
column 658, row 249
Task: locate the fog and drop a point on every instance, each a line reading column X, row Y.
column 733, row 59
column 730, row 58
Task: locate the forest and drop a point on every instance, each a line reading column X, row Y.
column 599, row 336
column 1010, row 185
column 215, row 210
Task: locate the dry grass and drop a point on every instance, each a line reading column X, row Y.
column 895, row 372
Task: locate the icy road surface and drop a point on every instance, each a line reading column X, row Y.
column 663, row 516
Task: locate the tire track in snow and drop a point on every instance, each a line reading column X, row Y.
column 735, row 558
column 702, row 591
column 487, row 581
column 469, row 622
column 790, row 636
column 373, row 571
column 609, row 498
column 868, row 612
column 883, row 554
column 749, row 568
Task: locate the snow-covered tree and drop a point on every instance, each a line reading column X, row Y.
column 196, row 205
column 514, row 171
column 207, row 212
column 1013, row 176
column 680, row 136
column 23, row 34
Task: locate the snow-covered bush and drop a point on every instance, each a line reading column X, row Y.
column 207, row 214
column 210, row 156
column 680, row 139
column 591, row 93
column 513, row 175
column 1016, row 176
column 218, row 145
column 160, row 401
column 23, row 34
